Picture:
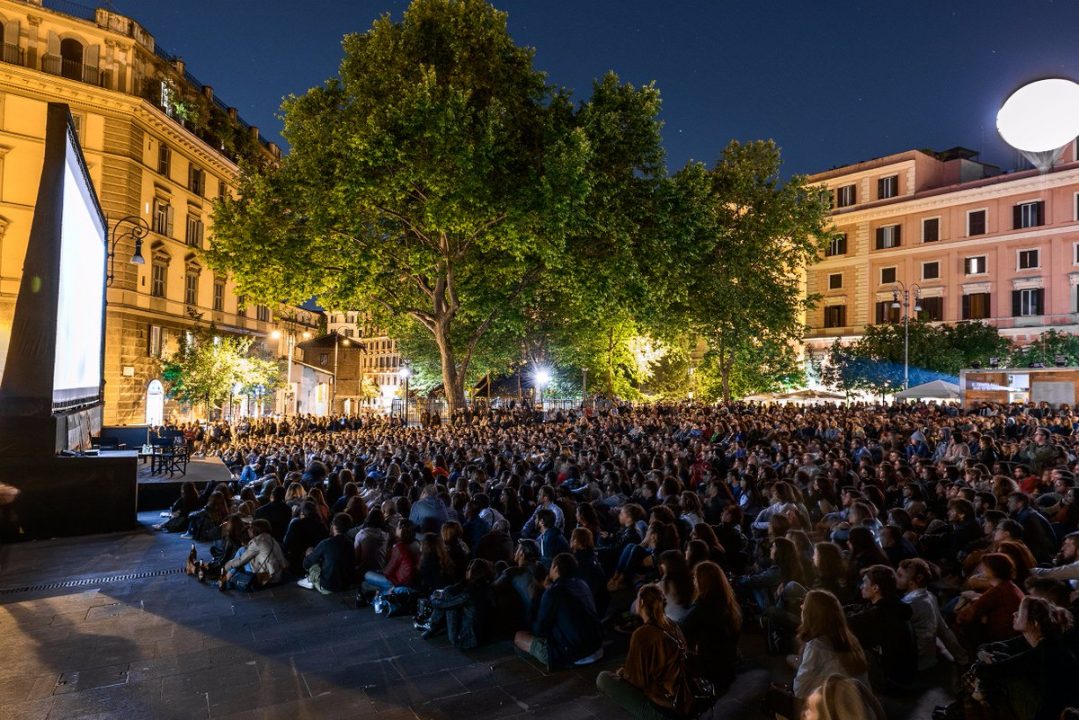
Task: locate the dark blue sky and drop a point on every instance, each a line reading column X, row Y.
column 832, row 82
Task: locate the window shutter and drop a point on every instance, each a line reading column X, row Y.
column 898, row 236
column 988, row 305
column 168, row 220
column 149, row 339
column 1017, row 217
column 880, row 238
column 1039, row 301
column 11, row 32
column 1017, row 303
column 880, row 188
column 966, row 307
column 1041, row 213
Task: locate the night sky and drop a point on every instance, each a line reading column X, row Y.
column 832, row 82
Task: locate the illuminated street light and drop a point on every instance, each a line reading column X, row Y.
column 542, row 378
column 276, row 334
column 405, row 373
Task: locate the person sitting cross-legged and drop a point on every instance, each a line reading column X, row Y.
column 567, row 629
column 330, row 565
column 653, row 681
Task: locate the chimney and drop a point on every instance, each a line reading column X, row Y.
column 208, row 92
column 232, row 114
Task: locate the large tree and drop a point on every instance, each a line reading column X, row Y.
column 754, row 235
column 437, row 179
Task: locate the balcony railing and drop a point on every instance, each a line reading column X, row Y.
column 13, row 54
column 71, row 69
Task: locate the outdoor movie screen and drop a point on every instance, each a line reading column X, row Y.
column 81, row 302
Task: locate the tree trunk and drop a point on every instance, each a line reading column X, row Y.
column 452, row 381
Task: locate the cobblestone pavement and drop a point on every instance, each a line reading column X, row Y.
column 109, row 627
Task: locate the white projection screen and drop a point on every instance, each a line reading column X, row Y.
column 80, row 311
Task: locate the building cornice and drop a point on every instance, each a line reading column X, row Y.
column 952, row 196
column 52, row 88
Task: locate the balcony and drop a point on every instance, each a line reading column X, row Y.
column 73, row 70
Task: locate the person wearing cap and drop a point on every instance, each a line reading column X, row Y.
column 1042, row 454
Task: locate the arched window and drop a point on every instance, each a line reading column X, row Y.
column 71, row 58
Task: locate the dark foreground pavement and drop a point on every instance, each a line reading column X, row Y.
column 109, row 627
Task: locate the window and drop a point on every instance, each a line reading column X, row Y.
column 164, row 159
column 846, row 196
column 323, row 359
column 162, row 217
column 932, row 309
column 348, row 332
column 888, row 237
column 194, row 231
column 975, row 265
column 931, row 270
column 976, row 222
column 886, row 313
column 887, row 276
column 837, row 246
column 154, row 344
column 976, row 306
column 196, row 180
column 191, row 288
column 835, row 316
column 262, row 313
column 219, row 295
column 1028, row 215
column 222, row 189
column 158, row 273
column 888, row 187
column 241, row 306
column 1028, row 302
column 930, row 229
column 1028, row 259
column 835, row 281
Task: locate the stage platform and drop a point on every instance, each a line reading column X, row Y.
column 158, row 492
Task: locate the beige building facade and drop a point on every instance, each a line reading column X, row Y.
column 967, row 241
column 378, row 373
column 160, row 148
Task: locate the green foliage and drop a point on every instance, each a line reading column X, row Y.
column 750, row 237
column 1045, row 350
column 208, row 369
column 439, row 179
column 875, row 362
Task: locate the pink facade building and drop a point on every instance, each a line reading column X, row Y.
column 972, row 242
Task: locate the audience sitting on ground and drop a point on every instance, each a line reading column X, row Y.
column 938, row 517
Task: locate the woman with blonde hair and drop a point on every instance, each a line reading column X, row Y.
column 652, row 683
column 830, row 648
column 839, row 698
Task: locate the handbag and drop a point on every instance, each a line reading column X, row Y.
column 696, row 694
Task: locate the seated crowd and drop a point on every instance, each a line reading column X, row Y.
column 874, row 546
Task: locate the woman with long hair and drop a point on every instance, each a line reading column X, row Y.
column 713, row 625
column 652, row 683
column 987, row 617
column 187, row 503
column 1032, row 676
column 829, row 648
column 676, row 582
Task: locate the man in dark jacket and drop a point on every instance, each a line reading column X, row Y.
column 331, row 565
column 883, row 626
column 551, row 541
column 277, row 513
column 1037, row 531
column 303, row 533
column 567, row 630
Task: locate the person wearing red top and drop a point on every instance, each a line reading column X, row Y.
column 400, row 570
column 988, row 616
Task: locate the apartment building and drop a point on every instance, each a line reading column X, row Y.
column 968, row 241
column 378, row 373
column 160, row 147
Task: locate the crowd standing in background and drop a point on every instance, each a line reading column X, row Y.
column 872, row 546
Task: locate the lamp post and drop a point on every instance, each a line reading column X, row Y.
column 542, row 378
column 290, row 344
column 137, row 231
column 906, row 291
column 405, row 373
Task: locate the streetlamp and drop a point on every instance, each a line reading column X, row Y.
column 138, row 230
column 405, row 373
column 542, row 378
column 906, row 320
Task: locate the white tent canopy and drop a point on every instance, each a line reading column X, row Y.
column 933, row 390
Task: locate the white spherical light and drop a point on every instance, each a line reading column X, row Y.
column 1041, row 116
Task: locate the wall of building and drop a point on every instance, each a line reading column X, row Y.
column 124, row 118
column 959, row 262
